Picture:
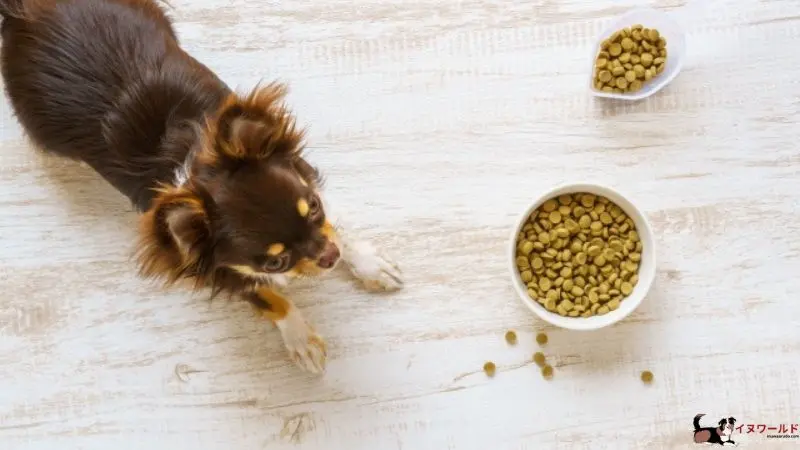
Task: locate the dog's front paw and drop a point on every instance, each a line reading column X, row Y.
column 374, row 269
column 306, row 348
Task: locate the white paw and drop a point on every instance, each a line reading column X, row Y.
column 278, row 280
column 377, row 271
column 306, row 348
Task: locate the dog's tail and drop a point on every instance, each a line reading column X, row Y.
column 696, row 421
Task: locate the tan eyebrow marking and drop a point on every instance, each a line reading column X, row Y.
column 275, row 249
column 302, row 207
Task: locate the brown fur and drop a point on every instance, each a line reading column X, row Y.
column 107, row 83
column 702, row 436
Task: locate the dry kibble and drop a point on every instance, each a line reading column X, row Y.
column 527, row 247
column 647, row 376
column 539, row 359
column 489, row 368
column 626, row 43
column 630, row 76
column 547, row 371
column 586, row 262
column 626, row 288
column 627, row 61
column 511, row 337
column 541, row 339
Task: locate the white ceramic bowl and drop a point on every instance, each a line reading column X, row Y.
column 676, row 46
column 647, row 266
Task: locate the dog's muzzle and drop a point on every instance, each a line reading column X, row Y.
column 329, row 257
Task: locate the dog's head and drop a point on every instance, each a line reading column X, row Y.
column 250, row 203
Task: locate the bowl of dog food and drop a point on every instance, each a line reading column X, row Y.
column 637, row 55
column 582, row 256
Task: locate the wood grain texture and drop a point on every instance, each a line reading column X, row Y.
column 435, row 123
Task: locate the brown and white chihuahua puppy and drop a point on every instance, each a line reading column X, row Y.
column 227, row 200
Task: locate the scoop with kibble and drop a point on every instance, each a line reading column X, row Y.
column 628, row 59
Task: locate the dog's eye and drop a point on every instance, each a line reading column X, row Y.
column 314, row 206
column 277, row 263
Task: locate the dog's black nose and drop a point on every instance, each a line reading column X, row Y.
column 330, row 255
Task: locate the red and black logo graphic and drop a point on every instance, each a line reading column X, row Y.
column 720, row 434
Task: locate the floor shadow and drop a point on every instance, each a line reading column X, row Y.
column 86, row 193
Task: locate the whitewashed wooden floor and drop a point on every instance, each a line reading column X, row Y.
column 435, row 122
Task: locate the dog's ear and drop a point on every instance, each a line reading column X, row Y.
column 175, row 235
column 254, row 126
column 722, row 423
column 731, row 420
column 188, row 226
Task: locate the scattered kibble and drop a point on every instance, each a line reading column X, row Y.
column 489, row 368
column 647, row 376
column 539, row 359
column 585, row 264
column 511, row 337
column 629, row 58
column 541, row 339
column 547, row 371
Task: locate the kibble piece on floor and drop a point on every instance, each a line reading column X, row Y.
column 547, row 371
column 511, row 337
column 539, row 359
column 541, row 339
column 489, row 368
column 647, row 376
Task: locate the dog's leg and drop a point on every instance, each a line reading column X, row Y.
column 372, row 267
column 306, row 348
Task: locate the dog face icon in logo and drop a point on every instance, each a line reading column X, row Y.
column 720, row 434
